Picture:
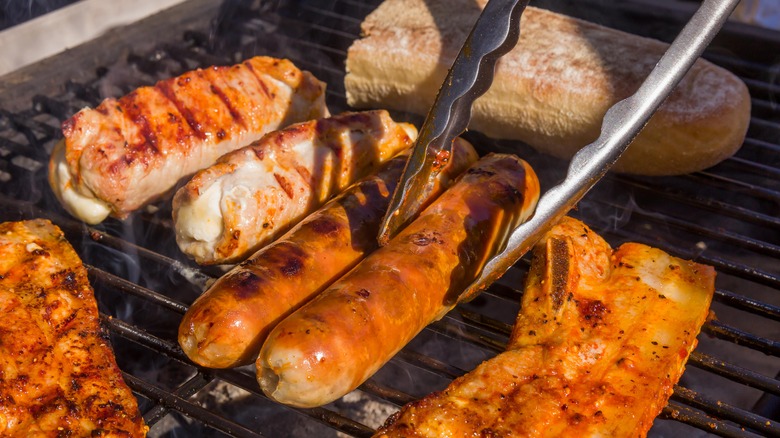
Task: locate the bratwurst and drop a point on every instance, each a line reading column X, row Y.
column 254, row 194
column 335, row 342
column 226, row 326
column 128, row 152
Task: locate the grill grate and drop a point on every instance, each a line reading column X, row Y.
column 727, row 216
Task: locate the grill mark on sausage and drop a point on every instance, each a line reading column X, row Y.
column 305, row 174
column 132, row 109
column 167, row 91
column 285, row 185
column 259, row 151
column 326, row 225
column 592, row 311
column 480, row 172
column 292, row 266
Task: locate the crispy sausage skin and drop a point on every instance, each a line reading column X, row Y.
column 226, row 326
column 253, row 195
column 335, row 342
column 130, row 151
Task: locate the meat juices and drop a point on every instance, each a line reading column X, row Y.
column 226, row 326
column 334, row 343
column 128, row 152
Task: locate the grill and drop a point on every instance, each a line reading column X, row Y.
column 727, row 216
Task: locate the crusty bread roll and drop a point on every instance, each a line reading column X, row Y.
column 552, row 90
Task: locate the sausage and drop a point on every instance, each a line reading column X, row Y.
column 128, row 152
column 226, row 326
column 335, row 342
column 253, row 195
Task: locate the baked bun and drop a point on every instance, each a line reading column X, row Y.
column 553, row 89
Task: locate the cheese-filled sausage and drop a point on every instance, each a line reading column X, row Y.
column 339, row 339
column 253, row 195
column 130, row 151
column 226, row 326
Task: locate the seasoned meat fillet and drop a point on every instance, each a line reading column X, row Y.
column 334, row 343
column 127, row 152
column 226, row 326
column 600, row 341
column 58, row 376
column 253, row 195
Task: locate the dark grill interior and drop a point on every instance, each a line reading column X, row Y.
column 726, row 216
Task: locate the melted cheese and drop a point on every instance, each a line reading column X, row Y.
column 78, row 201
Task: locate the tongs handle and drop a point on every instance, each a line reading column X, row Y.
column 621, row 124
column 495, row 33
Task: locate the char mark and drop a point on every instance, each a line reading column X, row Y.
column 421, row 239
column 592, row 311
column 134, row 112
column 229, row 104
column 292, row 266
column 286, row 258
column 559, row 270
column 326, row 225
column 167, row 91
column 246, row 284
column 285, row 185
column 305, row 175
column 480, row 172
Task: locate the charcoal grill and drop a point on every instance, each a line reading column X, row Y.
column 727, row 216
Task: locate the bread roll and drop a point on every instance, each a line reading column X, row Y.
column 553, row 89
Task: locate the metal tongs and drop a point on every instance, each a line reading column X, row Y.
column 495, row 32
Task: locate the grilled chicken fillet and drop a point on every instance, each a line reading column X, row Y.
column 600, row 341
column 58, row 375
column 129, row 151
column 253, row 195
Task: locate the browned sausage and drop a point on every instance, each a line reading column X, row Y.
column 226, row 326
column 334, row 343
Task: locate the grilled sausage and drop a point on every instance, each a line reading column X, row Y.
column 254, row 194
column 128, row 152
column 226, row 326
column 335, row 342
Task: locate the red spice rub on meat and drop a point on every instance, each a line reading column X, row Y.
column 58, row 375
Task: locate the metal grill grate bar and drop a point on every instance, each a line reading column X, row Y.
column 315, row 35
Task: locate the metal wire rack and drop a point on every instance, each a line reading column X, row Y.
column 726, row 216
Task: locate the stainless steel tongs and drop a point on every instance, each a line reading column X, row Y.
column 496, row 31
